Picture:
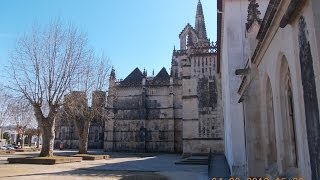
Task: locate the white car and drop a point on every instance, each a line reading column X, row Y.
column 7, row 147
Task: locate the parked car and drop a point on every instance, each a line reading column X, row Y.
column 10, row 147
column 15, row 146
column 7, row 147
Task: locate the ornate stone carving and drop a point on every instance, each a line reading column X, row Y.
column 253, row 13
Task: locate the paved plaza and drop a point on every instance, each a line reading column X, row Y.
column 119, row 166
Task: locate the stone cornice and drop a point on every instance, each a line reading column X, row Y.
column 294, row 7
column 270, row 25
column 266, row 27
column 219, row 33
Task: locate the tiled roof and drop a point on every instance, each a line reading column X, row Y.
column 161, row 78
column 133, row 79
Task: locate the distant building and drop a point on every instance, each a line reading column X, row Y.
column 66, row 132
column 176, row 112
column 180, row 111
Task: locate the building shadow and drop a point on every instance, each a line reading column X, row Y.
column 129, row 168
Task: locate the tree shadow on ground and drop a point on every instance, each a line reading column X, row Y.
column 85, row 173
column 131, row 168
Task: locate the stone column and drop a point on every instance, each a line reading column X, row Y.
column 171, row 110
column 109, row 119
column 190, row 112
column 253, row 131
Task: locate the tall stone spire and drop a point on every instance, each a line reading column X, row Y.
column 200, row 25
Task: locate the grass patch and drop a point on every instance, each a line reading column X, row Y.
column 44, row 160
column 91, row 157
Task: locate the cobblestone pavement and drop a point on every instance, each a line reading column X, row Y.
column 119, row 166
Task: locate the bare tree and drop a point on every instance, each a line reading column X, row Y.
column 20, row 113
column 43, row 65
column 92, row 80
column 4, row 101
column 30, row 132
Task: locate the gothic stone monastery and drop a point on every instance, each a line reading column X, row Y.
column 253, row 96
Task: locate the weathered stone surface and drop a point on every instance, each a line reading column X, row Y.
column 310, row 99
column 276, row 109
column 157, row 113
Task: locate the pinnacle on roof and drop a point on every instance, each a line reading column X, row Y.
column 113, row 73
column 253, row 13
column 144, row 72
column 200, row 25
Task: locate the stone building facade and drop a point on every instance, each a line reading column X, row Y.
column 270, row 71
column 180, row 111
column 65, row 130
column 141, row 111
column 176, row 112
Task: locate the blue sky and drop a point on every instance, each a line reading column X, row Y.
column 131, row 33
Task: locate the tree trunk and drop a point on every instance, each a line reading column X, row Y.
column 47, row 129
column 38, row 135
column 83, row 138
column 46, row 126
column 22, row 143
column 38, row 141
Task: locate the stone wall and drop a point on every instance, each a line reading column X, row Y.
column 280, row 91
column 177, row 110
column 143, row 122
column 66, row 134
column 202, row 104
column 232, row 58
column 202, row 116
column 65, row 131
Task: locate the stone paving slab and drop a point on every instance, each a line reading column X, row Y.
column 219, row 167
column 163, row 162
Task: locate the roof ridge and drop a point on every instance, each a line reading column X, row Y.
column 134, row 78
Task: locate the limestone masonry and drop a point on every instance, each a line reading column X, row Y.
column 270, row 70
column 176, row 112
column 254, row 95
